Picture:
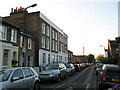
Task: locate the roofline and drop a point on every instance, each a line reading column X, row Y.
column 8, row 23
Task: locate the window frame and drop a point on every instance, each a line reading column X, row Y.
column 14, row 37
column 3, row 32
column 29, row 43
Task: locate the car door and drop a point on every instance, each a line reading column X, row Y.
column 29, row 77
column 17, row 79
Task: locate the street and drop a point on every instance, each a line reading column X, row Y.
column 85, row 80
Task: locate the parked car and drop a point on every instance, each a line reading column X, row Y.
column 54, row 71
column 77, row 67
column 70, row 69
column 109, row 75
column 98, row 69
column 19, row 78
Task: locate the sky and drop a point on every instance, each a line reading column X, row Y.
column 88, row 23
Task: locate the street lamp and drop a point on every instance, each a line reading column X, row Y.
column 23, row 42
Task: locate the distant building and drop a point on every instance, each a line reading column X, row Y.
column 70, row 57
column 51, row 43
column 80, row 59
column 112, row 48
column 106, row 52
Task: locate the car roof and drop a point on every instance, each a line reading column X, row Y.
column 14, row 68
column 111, row 67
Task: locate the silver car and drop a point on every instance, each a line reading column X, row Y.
column 54, row 72
column 19, row 78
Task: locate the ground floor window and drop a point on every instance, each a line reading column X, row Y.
column 48, row 58
column 53, row 58
column 29, row 61
column 60, row 59
column 5, row 58
column 44, row 57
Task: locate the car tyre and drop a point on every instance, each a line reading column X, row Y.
column 66, row 76
column 36, row 86
column 59, row 79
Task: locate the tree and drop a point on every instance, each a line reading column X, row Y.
column 90, row 58
column 100, row 57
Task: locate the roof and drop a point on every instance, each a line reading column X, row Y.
column 8, row 23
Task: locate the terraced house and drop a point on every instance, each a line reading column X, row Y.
column 51, row 43
column 8, row 44
column 11, row 46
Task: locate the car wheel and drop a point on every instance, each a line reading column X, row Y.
column 66, row 76
column 59, row 79
column 36, row 86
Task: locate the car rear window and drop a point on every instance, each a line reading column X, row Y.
column 113, row 73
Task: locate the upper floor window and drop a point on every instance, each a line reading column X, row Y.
column 61, row 47
column 56, row 35
column 53, row 34
column 29, row 43
column 13, row 35
column 43, row 28
column 21, row 40
column 3, row 32
column 48, row 31
column 56, row 46
column 43, row 42
column 47, row 43
column 53, row 45
column 60, row 37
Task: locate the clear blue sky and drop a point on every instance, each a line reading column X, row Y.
column 88, row 23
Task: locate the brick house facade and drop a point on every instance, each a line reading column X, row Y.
column 51, row 44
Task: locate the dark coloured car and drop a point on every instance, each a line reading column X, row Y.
column 77, row 67
column 98, row 69
column 54, row 71
column 109, row 76
column 70, row 69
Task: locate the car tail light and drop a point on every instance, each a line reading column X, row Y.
column 103, row 78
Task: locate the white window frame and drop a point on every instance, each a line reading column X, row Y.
column 48, row 31
column 29, row 43
column 43, row 28
column 3, row 32
column 48, row 42
column 60, row 37
column 56, row 36
column 43, row 42
column 21, row 40
column 53, row 34
column 53, row 43
column 56, row 46
column 44, row 57
column 61, row 47
column 14, row 35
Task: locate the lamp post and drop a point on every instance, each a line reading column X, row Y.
column 24, row 28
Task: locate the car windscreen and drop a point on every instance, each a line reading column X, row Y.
column 67, row 65
column 5, row 75
column 52, row 67
column 100, row 66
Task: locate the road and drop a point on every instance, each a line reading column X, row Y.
column 83, row 80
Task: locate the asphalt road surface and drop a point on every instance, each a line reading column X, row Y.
column 83, row 80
